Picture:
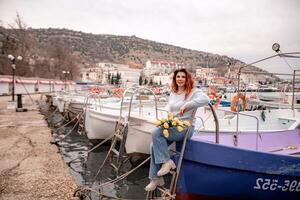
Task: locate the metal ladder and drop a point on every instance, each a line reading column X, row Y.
column 118, row 156
column 170, row 193
column 81, row 129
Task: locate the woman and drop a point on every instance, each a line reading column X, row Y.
column 183, row 100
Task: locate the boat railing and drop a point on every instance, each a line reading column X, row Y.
column 134, row 91
column 216, row 120
column 237, row 126
column 96, row 98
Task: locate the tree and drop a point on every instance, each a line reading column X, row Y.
column 140, row 80
column 151, row 82
column 17, row 41
column 109, row 77
column 118, row 78
column 112, row 80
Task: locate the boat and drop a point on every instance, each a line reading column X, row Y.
column 244, row 160
column 100, row 121
column 226, row 171
column 275, row 100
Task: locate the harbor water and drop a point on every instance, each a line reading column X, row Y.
column 85, row 166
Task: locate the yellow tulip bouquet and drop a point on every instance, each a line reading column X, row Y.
column 171, row 122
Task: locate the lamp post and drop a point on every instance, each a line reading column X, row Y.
column 65, row 73
column 13, row 66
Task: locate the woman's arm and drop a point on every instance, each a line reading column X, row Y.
column 197, row 99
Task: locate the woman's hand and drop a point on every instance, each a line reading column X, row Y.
column 181, row 110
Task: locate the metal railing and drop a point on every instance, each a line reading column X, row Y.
column 134, row 92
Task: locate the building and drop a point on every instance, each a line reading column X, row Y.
column 160, row 67
column 206, row 75
column 93, row 75
column 129, row 76
column 162, row 79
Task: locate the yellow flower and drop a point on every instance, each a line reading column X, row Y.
column 157, row 122
column 173, row 123
column 170, row 116
column 180, row 123
column 163, row 120
column 176, row 120
column 166, row 125
column 179, row 128
column 187, row 123
column 166, row 133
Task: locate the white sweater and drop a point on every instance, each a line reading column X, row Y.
column 196, row 99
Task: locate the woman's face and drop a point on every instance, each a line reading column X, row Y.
column 180, row 79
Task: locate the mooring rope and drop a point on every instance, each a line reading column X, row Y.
column 118, row 127
column 47, row 117
column 119, row 178
column 70, row 121
column 79, row 117
column 95, row 147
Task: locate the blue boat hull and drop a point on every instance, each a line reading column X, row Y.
column 224, row 103
column 221, row 172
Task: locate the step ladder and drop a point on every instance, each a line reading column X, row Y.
column 81, row 129
column 117, row 155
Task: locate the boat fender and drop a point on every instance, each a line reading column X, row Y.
column 236, row 105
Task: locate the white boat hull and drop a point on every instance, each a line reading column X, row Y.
column 99, row 125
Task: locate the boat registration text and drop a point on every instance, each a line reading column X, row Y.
column 274, row 184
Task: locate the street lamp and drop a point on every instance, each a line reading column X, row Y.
column 13, row 66
column 65, row 76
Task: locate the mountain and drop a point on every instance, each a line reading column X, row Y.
column 130, row 50
column 48, row 51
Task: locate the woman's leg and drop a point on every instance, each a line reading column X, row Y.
column 153, row 167
column 175, row 135
column 159, row 146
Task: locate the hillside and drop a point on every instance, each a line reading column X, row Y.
column 132, row 50
column 48, row 51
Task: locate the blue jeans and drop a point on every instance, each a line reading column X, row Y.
column 159, row 147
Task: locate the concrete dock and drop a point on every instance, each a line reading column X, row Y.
column 30, row 167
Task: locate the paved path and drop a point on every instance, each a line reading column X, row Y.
column 30, row 167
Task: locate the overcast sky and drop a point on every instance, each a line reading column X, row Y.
column 241, row 29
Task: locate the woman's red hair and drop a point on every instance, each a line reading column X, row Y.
column 189, row 82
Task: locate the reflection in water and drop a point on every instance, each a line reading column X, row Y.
column 84, row 166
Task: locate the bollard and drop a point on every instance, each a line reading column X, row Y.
column 19, row 101
column 19, row 104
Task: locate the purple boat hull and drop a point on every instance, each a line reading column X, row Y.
column 214, row 171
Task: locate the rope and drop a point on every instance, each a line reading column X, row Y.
column 47, row 117
column 71, row 129
column 26, row 90
column 82, row 193
column 101, row 143
column 119, row 178
column 70, row 121
column 95, row 147
column 111, row 146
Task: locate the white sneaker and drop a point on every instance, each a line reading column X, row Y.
column 154, row 183
column 166, row 167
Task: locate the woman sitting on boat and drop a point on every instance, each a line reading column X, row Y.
column 183, row 100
